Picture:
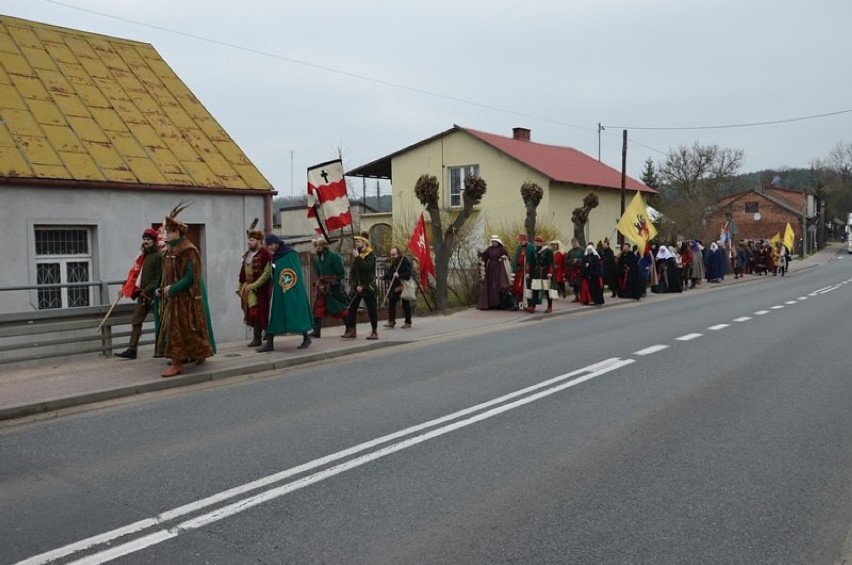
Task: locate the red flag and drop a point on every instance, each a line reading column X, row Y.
column 132, row 283
column 327, row 193
column 419, row 246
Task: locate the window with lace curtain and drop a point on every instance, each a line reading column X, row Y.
column 63, row 255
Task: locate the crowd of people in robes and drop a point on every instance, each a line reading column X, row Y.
column 535, row 272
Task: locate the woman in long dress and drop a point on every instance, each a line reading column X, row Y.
column 495, row 291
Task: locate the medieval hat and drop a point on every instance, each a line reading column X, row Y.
column 320, row 242
column 172, row 223
column 150, row 233
column 497, row 239
column 253, row 233
column 362, row 238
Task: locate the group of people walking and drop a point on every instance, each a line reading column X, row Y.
column 166, row 279
column 537, row 272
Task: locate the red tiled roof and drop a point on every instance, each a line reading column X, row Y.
column 561, row 164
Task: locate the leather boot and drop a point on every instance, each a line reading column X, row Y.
column 306, row 341
column 267, row 345
column 129, row 354
column 373, row 335
column 258, row 333
column 175, row 369
column 350, row 333
column 317, row 328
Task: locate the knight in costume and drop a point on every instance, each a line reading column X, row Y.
column 254, row 288
column 541, row 273
column 523, row 253
column 148, row 271
column 329, row 298
column 185, row 328
column 362, row 278
column 290, row 310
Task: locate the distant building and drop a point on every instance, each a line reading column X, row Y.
column 565, row 174
column 760, row 213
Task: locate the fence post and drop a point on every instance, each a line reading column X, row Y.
column 106, row 330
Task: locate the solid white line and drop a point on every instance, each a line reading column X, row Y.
column 761, row 312
column 742, row 319
column 260, row 498
column 126, row 549
column 650, row 350
column 776, row 307
column 820, row 290
column 141, row 525
column 835, row 287
column 718, row 327
column 688, row 337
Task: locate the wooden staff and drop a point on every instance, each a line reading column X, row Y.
column 109, row 312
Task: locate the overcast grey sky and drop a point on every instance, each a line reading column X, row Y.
column 370, row 77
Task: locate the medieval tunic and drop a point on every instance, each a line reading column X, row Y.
column 330, row 300
column 290, row 311
column 540, row 266
column 255, row 273
column 185, row 323
column 495, row 290
column 523, row 253
column 574, row 267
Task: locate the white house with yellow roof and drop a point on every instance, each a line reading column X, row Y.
column 99, row 139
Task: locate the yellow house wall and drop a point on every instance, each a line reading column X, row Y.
column 502, row 202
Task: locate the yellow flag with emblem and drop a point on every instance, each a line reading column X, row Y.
column 789, row 237
column 635, row 224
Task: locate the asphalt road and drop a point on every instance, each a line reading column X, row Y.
column 706, row 428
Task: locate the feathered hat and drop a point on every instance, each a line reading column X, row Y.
column 172, row 223
column 254, row 233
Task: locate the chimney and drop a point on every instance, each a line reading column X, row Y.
column 521, row 134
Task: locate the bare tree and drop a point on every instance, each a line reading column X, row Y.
column 531, row 193
column 692, row 179
column 426, row 190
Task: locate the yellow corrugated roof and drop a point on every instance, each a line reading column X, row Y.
column 86, row 107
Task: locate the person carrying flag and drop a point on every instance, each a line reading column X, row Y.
column 141, row 286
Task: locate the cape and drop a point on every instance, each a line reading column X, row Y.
column 290, row 311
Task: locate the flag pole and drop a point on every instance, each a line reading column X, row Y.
column 109, row 312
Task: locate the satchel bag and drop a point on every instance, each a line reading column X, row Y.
column 409, row 289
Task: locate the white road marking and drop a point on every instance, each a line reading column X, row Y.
column 650, row 350
column 761, row 312
column 835, row 287
column 718, row 327
column 159, row 536
column 688, row 337
column 802, row 298
column 790, row 302
column 742, row 319
column 776, row 307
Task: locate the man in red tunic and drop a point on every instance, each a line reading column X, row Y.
column 254, row 287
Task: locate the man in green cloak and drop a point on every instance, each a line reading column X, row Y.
column 290, row 311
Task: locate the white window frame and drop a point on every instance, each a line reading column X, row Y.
column 63, row 260
column 455, row 182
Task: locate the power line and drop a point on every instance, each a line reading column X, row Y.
column 321, row 67
column 730, row 126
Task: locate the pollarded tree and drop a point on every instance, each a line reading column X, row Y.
column 426, row 191
column 531, row 193
column 580, row 216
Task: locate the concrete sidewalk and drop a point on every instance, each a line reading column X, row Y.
column 58, row 384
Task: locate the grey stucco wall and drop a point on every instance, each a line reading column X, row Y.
column 117, row 219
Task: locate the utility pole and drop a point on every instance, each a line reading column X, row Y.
column 623, row 178
column 600, row 129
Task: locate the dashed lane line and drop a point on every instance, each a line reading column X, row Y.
column 650, row 350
